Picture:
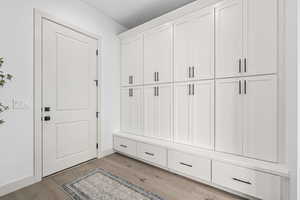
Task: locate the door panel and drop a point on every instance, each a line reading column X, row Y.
column 132, row 61
column 158, row 54
column 260, row 122
column 194, row 46
column 158, row 111
column 229, row 38
column 202, row 114
column 229, row 132
column 181, row 113
column 69, row 71
column 132, row 110
column 261, row 36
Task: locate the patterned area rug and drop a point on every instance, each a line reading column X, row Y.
column 101, row 185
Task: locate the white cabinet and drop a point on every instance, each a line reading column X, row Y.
column 132, row 110
column 132, row 61
column 158, row 111
column 194, row 46
column 152, row 153
column 125, row 145
column 246, row 117
column 229, row 122
column 194, row 113
column 158, row 51
column 246, row 38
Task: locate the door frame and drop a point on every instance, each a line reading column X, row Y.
column 37, row 85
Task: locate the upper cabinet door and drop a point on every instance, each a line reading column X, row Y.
column 194, row 46
column 132, row 61
column 158, row 111
column 158, row 50
column 229, row 116
column 202, row 114
column 229, row 38
column 132, row 110
column 260, row 117
column 261, row 37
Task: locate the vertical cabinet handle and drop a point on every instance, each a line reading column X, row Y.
column 189, row 72
column 130, row 79
column 157, row 91
column 189, row 86
column 240, row 87
column 240, row 65
column 245, row 65
column 245, row 87
column 193, row 72
column 193, row 89
column 154, row 91
column 157, row 76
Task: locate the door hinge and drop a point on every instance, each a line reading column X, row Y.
column 97, row 52
column 97, row 114
column 97, row 146
column 97, row 82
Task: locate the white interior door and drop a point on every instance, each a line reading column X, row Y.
column 132, row 61
column 194, row 46
column 132, row 110
column 229, row 118
column 229, row 38
column 69, row 90
column 260, row 121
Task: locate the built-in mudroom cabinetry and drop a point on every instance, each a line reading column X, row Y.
column 200, row 96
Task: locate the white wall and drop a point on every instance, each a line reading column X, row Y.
column 16, row 46
column 291, row 93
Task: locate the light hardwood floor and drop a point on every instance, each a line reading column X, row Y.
column 169, row 186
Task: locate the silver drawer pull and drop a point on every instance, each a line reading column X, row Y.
column 124, row 146
column 239, row 180
column 186, row 164
column 150, row 154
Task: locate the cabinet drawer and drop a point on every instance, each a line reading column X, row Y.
column 250, row 182
column 191, row 165
column 151, row 153
column 125, row 146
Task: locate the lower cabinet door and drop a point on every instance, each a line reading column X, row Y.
column 260, row 118
column 132, row 110
column 152, row 153
column 158, row 111
column 257, row 184
column 190, row 165
column 124, row 145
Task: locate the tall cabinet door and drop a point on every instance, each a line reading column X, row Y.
column 158, row 50
column 229, row 38
column 229, row 105
column 158, row 111
column 261, row 36
column 260, row 117
column 132, row 110
column 194, row 46
column 202, row 114
column 132, row 61
column 182, row 116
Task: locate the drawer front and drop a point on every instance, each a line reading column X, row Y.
column 191, row 165
column 250, row 182
column 125, row 146
column 151, row 153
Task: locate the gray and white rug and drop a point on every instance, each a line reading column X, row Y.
column 101, row 185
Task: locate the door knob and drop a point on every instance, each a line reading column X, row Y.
column 47, row 118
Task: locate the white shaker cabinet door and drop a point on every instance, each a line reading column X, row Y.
column 194, row 46
column 229, row 105
column 260, row 117
column 229, row 38
column 132, row 110
column 158, row 51
column 132, row 61
column 261, row 36
column 158, row 111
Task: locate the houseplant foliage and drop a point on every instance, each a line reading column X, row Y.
column 4, row 78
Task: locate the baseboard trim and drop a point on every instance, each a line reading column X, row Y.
column 11, row 187
column 104, row 153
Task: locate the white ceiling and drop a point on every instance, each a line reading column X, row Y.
column 131, row 13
